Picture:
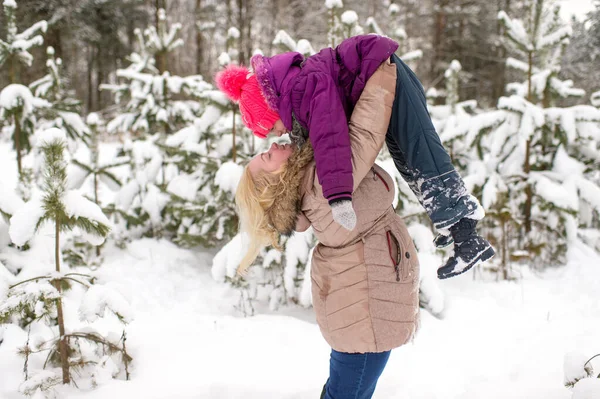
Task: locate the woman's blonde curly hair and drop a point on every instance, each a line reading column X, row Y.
column 267, row 204
column 254, row 196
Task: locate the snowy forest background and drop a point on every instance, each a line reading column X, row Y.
column 121, row 160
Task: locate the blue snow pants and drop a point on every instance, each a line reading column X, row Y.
column 353, row 375
column 420, row 156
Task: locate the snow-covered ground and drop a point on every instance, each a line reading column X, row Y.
column 497, row 340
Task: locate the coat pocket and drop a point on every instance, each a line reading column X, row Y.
column 395, row 252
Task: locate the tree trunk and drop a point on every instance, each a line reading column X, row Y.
column 242, row 28
column 90, row 79
column 17, row 137
column 234, row 150
column 63, row 346
column 439, row 28
column 248, row 17
column 12, row 70
column 500, row 81
column 161, row 62
column 199, row 39
column 527, row 165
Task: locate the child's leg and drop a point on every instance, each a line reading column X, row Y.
column 420, row 156
column 426, row 166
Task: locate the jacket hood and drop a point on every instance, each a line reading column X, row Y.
column 271, row 72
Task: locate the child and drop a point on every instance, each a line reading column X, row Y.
column 314, row 97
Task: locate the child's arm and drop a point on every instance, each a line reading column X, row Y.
column 328, row 133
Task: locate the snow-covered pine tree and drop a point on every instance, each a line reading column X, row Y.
column 201, row 209
column 64, row 110
column 595, row 99
column 99, row 176
column 18, row 108
column 138, row 207
column 41, row 299
column 396, row 32
column 15, row 48
column 527, row 182
column 285, row 42
column 579, row 376
column 350, row 25
column 158, row 104
column 335, row 32
column 156, row 101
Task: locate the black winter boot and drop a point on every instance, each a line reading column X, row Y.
column 469, row 249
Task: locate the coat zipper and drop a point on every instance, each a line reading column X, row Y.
column 376, row 175
column 394, row 261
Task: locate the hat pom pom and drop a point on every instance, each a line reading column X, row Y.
column 231, row 79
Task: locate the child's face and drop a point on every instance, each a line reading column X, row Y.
column 278, row 129
column 272, row 160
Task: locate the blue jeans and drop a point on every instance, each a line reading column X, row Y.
column 353, row 375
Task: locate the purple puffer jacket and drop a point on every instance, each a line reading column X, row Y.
column 321, row 92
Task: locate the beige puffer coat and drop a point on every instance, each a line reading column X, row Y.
column 365, row 282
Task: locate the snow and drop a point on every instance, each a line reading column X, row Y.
column 184, row 186
column 595, row 99
column 93, row 119
column 227, row 260
column 154, row 202
column 394, row 8
column 412, row 55
column 575, row 367
column 23, row 223
column 496, row 339
column 77, row 206
column 51, row 136
column 329, row 4
column 224, row 59
column 588, row 388
column 98, row 298
column 555, row 37
column 349, row 17
column 228, row 176
column 519, row 65
column 283, row 38
column 14, row 96
column 10, row 202
column 10, row 3
column 75, row 122
column 515, row 29
column 304, row 47
column 233, row 33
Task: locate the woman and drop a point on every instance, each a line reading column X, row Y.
column 314, row 97
column 364, row 281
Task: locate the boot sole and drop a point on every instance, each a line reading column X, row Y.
column 482, row 257
column 444, row 246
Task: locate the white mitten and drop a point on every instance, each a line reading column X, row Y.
column 344, row 214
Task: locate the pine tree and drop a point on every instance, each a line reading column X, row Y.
column 64, row 110
column 156, row 100
column 100, row 176
column 40, row 298
column 285, row 42
column 335, row 33
column 15, row 49
column 19, row 106
column 527, row 176
column 202, row 210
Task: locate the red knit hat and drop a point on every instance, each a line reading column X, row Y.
column 240, row 85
